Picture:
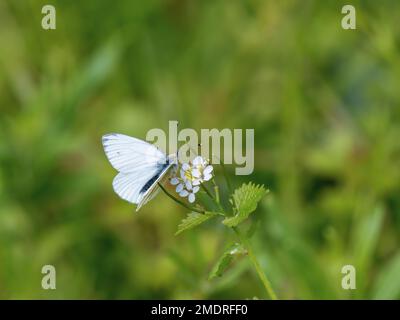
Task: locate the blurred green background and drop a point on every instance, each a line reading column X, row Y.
column 324, row 103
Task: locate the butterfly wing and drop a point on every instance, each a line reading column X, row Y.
column 127, row 154
column 138, row 162
column 152, row 186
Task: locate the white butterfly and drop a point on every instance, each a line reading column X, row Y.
column 141, row 167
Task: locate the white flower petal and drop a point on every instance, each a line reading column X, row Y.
column 188, row 185
column 198, row 161
column 183, row 193
column 207, row 177
column 208, row 170
column 185, row 167
column 196, row 173
column 191, row 198
column 179, row 188
column 196, row 182
column 174, row 181
column 195, row 189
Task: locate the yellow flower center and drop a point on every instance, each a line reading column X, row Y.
column 188, row 175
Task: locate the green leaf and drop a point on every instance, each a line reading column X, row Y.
column 227, row 257
column 366, row 237
column 193, row 219
column 387, row 285
column 245, row 200
column 366, row 232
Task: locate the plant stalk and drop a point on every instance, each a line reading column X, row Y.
column 253, row 258
column 178, row 201
column 215, row 199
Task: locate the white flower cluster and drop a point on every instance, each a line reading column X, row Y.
column 191, row 176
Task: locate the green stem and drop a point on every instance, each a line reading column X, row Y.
column 253, row 258
column 215, row 199
column 179, row 201
column 207, row 191
column 216, row 190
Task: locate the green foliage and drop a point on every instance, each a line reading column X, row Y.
column 244, row 201
column 324, row 104
column 366, row 235
column 194, row 219
column 387, row 285
column 234, row 250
